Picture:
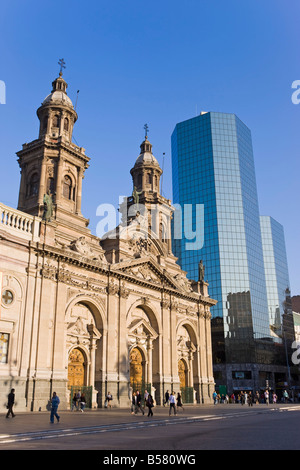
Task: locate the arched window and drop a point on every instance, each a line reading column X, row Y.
column 149, row 178
column 67, row 187
column 162, row 232
column 33, row 188
column 139, row 181
column 55, row 121
column 66, row 124
column 45, row 123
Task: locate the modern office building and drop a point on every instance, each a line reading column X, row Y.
column 214, row 179
column 276, row 269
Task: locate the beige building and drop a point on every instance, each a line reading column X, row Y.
column 113, row 314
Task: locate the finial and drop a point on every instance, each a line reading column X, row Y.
column 61, row 62
column 146, row 131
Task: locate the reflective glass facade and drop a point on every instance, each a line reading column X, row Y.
column 276, row 268
column 213, row 165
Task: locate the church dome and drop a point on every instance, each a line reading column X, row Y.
column 146, row 156
column 58, row 97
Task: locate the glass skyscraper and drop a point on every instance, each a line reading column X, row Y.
column 214, row 175
column 276, row 269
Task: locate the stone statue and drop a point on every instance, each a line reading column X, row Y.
column 201, row 271
column 48, row 207
column 135, row 195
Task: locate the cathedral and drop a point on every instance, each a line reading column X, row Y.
column 78, row 312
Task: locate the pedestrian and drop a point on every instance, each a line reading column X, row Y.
column 242, row 398
column 274, row 398
column 54, row 406
column 146, row 394
column 172, row 404
column 167, row 396
column 150, row 404
column 10, row 403
column 74, row 402
column 250, row 399
column 78, row 395
column 215, row 396
column 133, row 403
column 257, row 397
column 82, row 402
column 138, row 402
column 109, row 399
column 285, row 396
column 179, row 402
column 267, row 397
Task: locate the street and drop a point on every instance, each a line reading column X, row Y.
column 220, row 427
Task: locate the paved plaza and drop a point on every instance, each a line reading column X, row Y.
column 220, row 427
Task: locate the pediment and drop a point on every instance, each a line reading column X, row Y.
column 80, row 328
column 148, row 271
column 142, row 329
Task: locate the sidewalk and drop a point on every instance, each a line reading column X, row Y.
column 37, row 421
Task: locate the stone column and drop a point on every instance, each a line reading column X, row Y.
column 79, row 190
column 42, row 188
column 165, row 339
column 112, row 339
column 123, row 356
column 59, row 181
column 149, row 354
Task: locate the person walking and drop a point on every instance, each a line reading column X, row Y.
column 215, row 397
column 150, row 404
column 167, row 396
column 55, row 401
column 172, row 403
column 267, row 397
column 74, row 402
column 82, row 402
column 286, row 396
column 133, row 404
column 109, row 399
column 138, row 402
column 250, row 399
column 10, row 403
column 146, row 395
column 179, row 401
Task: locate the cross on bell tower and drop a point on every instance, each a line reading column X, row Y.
column 62, row 65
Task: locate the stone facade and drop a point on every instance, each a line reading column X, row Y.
column 80, row 310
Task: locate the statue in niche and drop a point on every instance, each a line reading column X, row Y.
column 48, row 207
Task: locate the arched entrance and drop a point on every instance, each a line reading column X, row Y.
column 137, row 369
column 76, row 369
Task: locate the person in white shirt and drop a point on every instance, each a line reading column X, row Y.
column 172, row 402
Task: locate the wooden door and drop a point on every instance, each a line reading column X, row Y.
column 136, row 367
column 182, row 373
column 76, row 369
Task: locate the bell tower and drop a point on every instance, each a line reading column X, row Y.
column 146, row 197
column 52, row 164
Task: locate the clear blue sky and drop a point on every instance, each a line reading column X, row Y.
column 158, row 62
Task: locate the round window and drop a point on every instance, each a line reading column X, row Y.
column 7, row 297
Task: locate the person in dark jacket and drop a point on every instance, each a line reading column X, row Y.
column 54, row 405
column 139, row 402
column 10, row 403
column 150, row 404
